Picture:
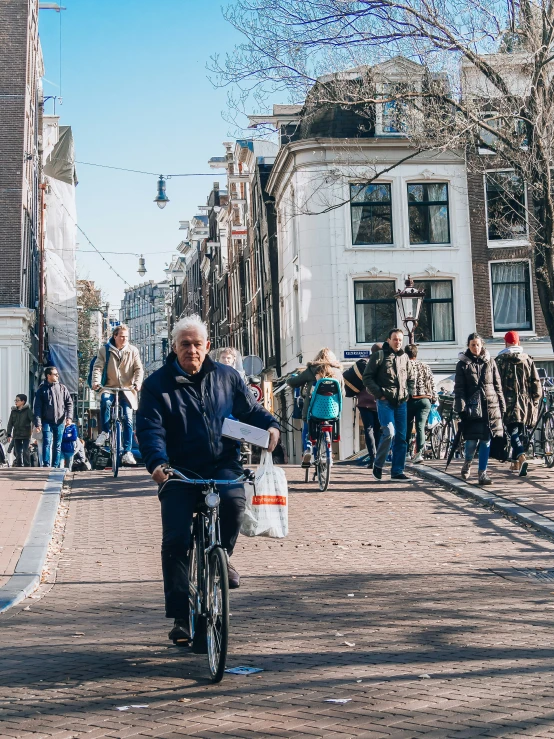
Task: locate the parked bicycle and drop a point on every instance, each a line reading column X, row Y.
column 540, row 437
column 208, row 577
column 116, row 428
column 442, row 435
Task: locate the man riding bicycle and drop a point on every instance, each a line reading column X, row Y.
column 124, row 369
column 179, row 421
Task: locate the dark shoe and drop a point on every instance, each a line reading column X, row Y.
column 523, row 469
column 370, row 465
column 179, row 634
column 377, row 472
column 400, row 476
column 234, row 577
column 484, row 479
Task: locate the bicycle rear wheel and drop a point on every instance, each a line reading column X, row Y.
column 116, row 447
column 324, row 461
column 548, row 440
column 434, row 437
column 218, row 613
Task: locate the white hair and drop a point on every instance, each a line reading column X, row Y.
column 189, row 323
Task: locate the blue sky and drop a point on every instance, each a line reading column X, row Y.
column 136, row 93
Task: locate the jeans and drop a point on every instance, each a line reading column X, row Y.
column 393, row 420
column 178, row 502
column 372, row 430
column 305, row 436
column 418, row 410
column 52, row 434
column 106, row 403
column 68, row 460
column 22, row 456
column 484, row 452
column 516, row 430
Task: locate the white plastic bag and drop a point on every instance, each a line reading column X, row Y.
column 267, row 501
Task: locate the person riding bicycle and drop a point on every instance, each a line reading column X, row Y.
column 124, row 370
column 324, row 364
column 179, row 423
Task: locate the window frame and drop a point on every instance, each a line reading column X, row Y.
column 355, row 302
column 428, row 204
column 439, row 300
column 522, row 332
column 503, row 243
column 353, row 204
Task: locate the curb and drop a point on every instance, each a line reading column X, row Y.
column 521, row 513
column 26, row 577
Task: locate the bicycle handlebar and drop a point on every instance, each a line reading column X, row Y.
column 114, row 389
column 247, row 476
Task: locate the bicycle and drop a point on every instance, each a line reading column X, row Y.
column 208, row 576
column 115, row 428
column 322, row 440
column 540, row 438
column 442, row 435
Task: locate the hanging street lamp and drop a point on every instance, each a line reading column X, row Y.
column 409, row 302
column 161, row 198
column 142, row 266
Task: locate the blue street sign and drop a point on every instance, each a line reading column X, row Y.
column 357, row 353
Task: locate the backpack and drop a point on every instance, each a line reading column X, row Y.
column 104, row 378
column 326, row 400
column 352, row 377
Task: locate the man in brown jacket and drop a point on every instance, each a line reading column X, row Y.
column 522, row 390
column 124, row 369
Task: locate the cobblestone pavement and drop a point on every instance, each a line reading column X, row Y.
column 20, row 492
column 533, row 492
column 400, row 598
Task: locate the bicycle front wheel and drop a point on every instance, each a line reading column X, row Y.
column 116, row 447
column 218, row 613
column 548, row 440
column 324, row 461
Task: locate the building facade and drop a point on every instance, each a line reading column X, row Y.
column 20, row 198
column 143, row 309
column 347, row 241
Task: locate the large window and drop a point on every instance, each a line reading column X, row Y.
column 505, row 206
column 375, row 307
column 436, row 318
column 371, row 214
column 428, row 213
column 511, row 296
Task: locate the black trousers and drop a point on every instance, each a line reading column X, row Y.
column 372, row 430
column 22, row 456
column 178, row 502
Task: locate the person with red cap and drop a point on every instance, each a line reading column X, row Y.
column 522, row 391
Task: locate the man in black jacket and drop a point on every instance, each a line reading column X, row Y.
column 389, row 377
column 179, row 421
column 53, row 409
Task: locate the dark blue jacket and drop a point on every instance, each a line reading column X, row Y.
column 53, row 403
column 179, row 421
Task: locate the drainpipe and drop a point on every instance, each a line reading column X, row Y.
column 41, row 277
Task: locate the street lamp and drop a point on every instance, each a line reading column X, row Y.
column 142, row 266
column 409, row 302
column 161, row 198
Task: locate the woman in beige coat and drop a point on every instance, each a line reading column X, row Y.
column 124, row 369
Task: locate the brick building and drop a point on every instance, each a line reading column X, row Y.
column 20, row 238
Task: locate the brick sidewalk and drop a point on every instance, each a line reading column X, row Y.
column 417, row 581
column 20, row 492
column 536, row 491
